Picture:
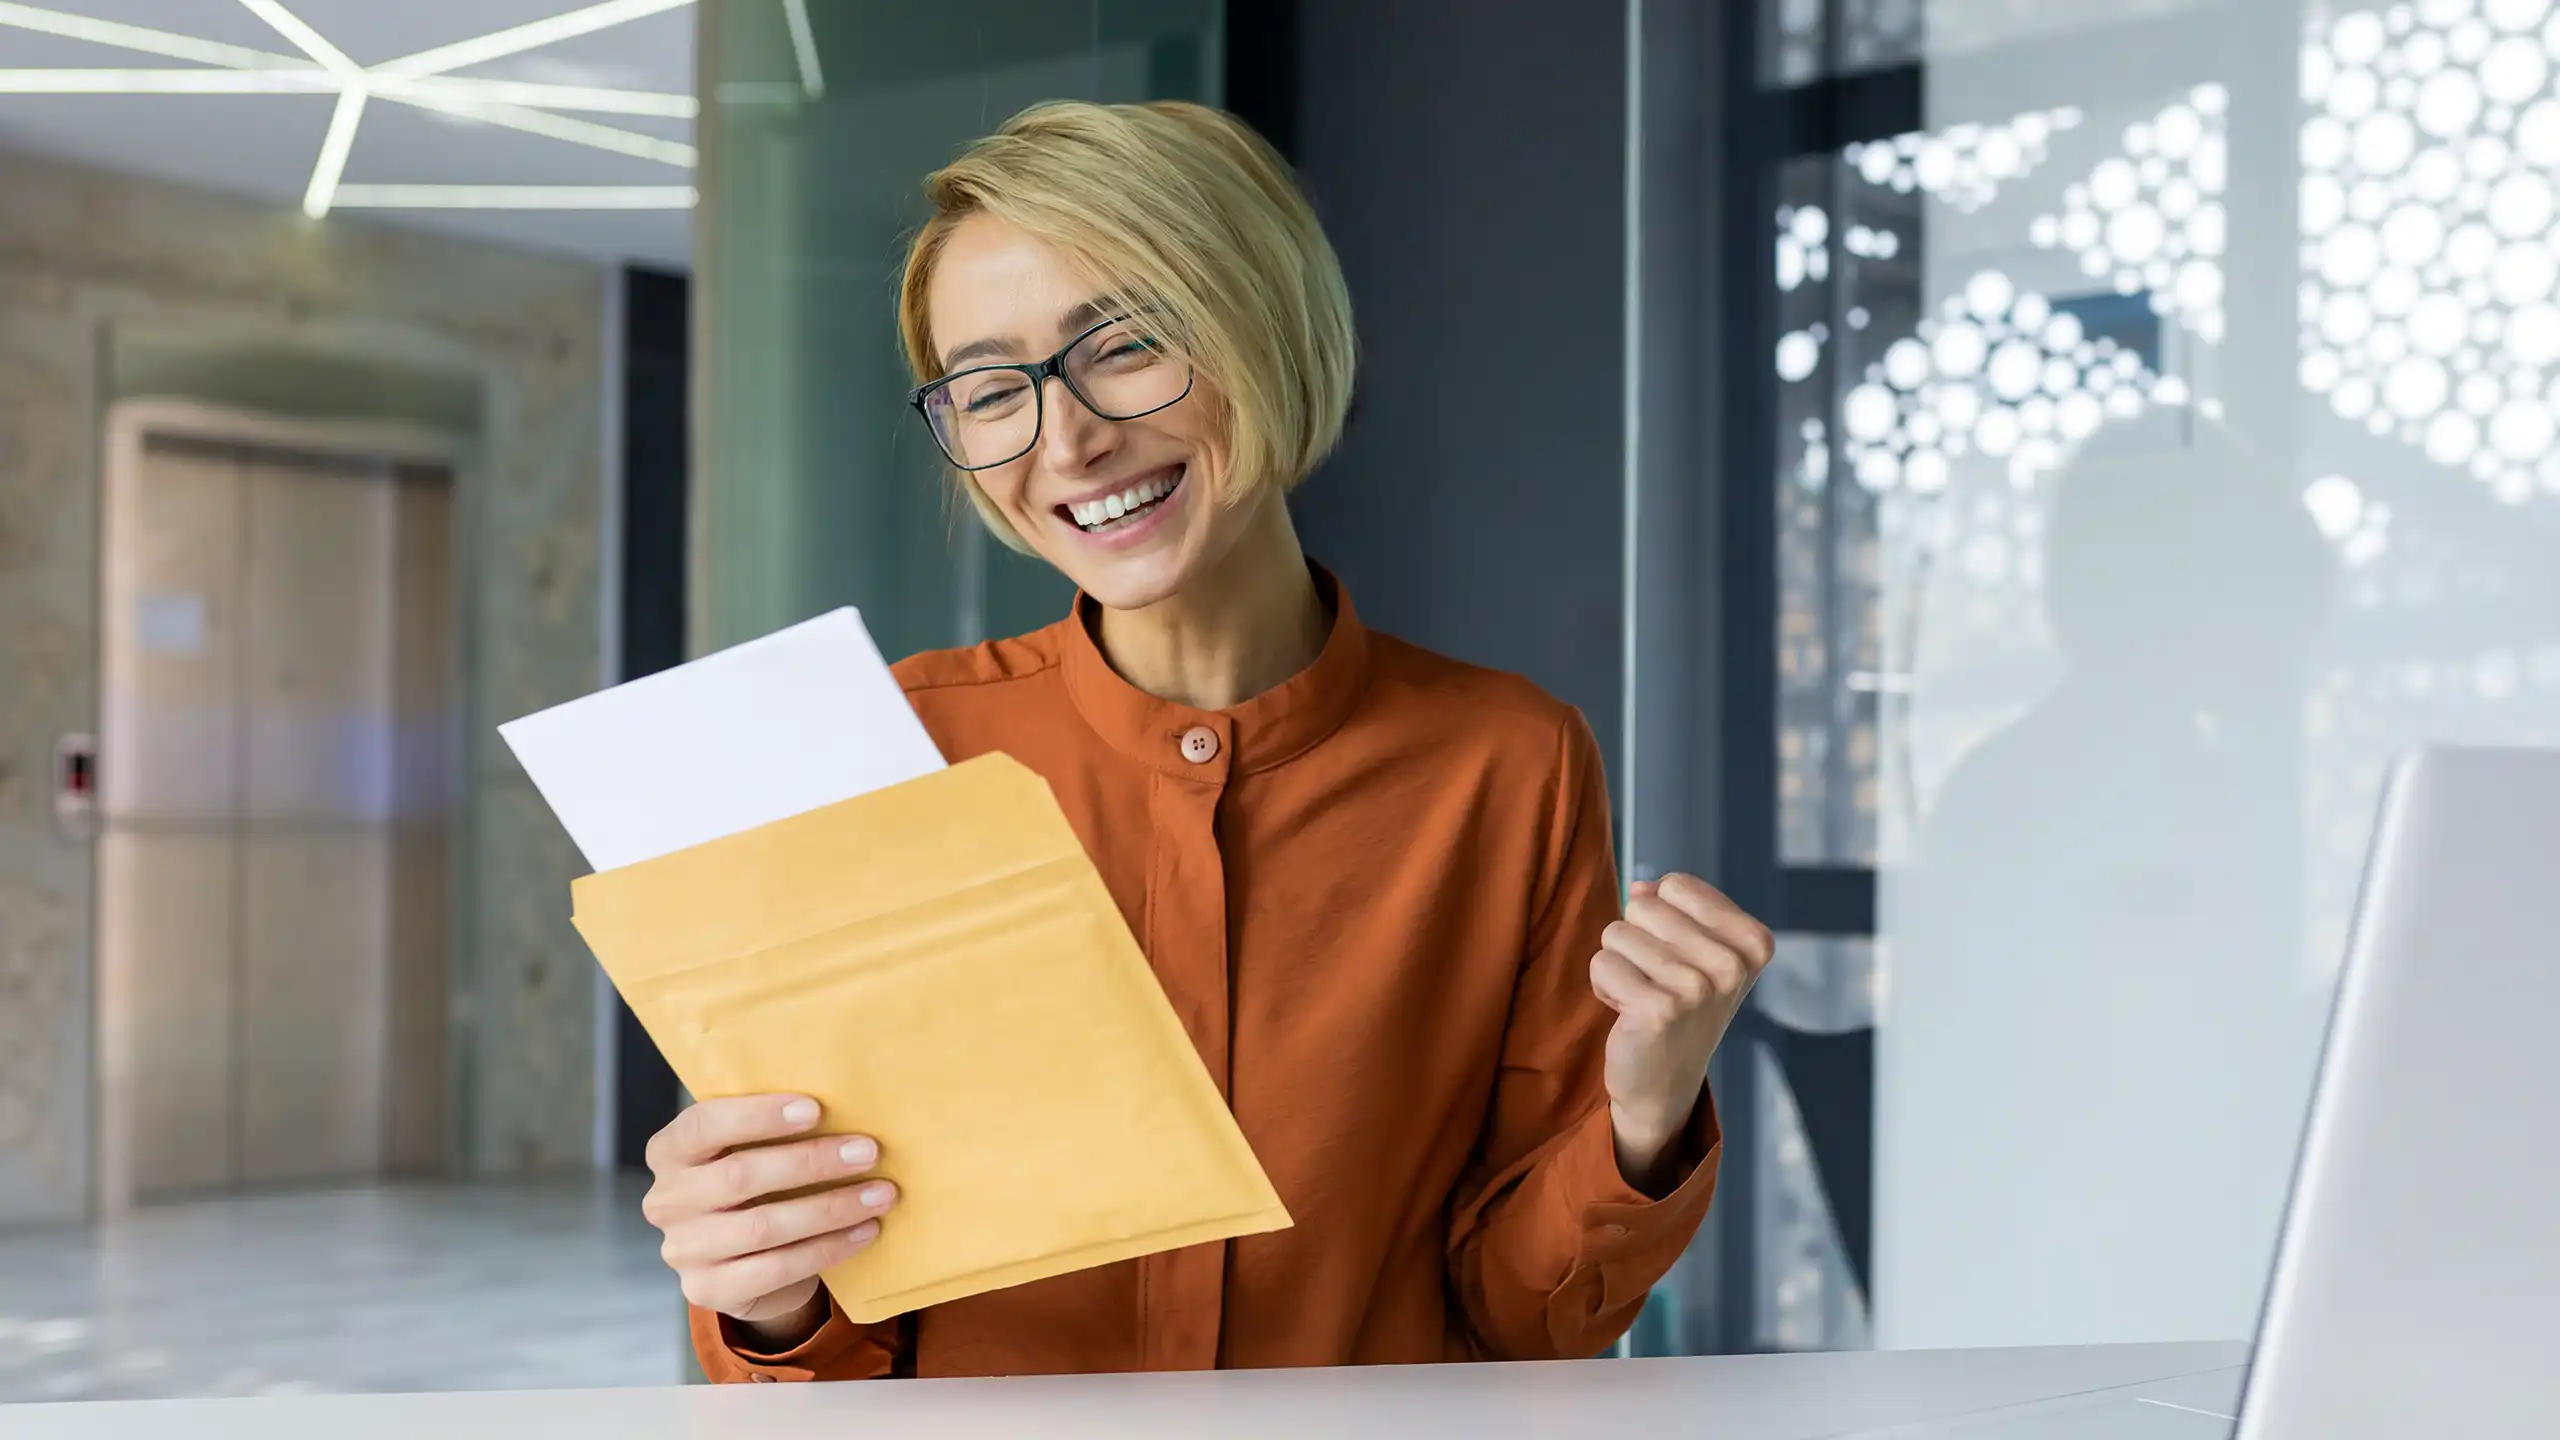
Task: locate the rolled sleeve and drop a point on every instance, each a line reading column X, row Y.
column 1552, row 1252
column 840, row 1350
column 1633, row 1238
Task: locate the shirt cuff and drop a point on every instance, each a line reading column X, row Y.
column 1624, row 1229
column 730, row 1354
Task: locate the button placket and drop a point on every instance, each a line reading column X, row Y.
column 1186, row 943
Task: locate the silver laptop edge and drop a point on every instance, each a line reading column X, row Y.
column 2321, row 1125
column 2416, row 1283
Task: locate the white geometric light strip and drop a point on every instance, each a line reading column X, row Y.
column 515, row 197
column 311, row 79
column 416, row 80
column 804, row 48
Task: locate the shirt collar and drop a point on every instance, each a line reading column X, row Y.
column 1270, row 729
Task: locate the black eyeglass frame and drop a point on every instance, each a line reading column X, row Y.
column 1039, row 372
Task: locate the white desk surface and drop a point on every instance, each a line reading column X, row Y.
column 1774, row 1397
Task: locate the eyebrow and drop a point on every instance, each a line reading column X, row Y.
column 1080, row 316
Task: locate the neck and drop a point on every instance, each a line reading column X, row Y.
column 1248, row 626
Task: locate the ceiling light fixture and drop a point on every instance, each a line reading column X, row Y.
column 562, row 97
column 417, row 80
column 520, row 38
column 306, row 81
column 541, row 122
column 142, row 38
column 352, row 93
column 516, row 197
column 311, row 79
column 334, row 149
column 309, row 41
column 804, row 48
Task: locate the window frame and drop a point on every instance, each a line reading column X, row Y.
column 1769, row 127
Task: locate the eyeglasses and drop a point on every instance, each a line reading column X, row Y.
column 989, row 415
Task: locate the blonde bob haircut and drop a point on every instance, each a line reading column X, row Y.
column 1184, row 213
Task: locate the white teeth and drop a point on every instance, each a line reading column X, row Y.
column 1092, row 514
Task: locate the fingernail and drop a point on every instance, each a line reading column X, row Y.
column 859, row 1152
column 863, row 1231
column 800, row 1112
column 878, row 1196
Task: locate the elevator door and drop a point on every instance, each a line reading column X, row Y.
column 274, row 773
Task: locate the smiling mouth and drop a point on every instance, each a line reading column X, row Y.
column 1119, row 512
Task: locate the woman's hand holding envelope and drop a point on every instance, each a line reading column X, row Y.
column 739, row 1252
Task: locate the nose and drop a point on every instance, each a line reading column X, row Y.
column 1072, row 438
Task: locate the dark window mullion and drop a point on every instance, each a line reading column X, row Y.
column 1822, row 116
column 1824, row 900
column 1745, row 453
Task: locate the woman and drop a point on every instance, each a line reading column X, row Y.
column 1375, row 883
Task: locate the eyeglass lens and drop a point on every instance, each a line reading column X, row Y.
column 990, row 416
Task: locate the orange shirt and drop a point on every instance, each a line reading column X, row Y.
column 1373, row 895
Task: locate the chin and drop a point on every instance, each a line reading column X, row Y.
column 1134, row 583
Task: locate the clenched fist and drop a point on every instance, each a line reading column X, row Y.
column 1676, row 969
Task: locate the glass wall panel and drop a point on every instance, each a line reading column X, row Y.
column 2222, row 470
column 815, row 486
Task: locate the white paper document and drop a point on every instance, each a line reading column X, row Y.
column 796, row 720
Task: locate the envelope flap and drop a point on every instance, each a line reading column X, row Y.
column 970, row 824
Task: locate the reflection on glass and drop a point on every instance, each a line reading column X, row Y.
column 2430, row 151
column 1820, row 984
column 1880, row 400
column 1846, row 278
column 1808, row 1298
column 2163, row 616
column 1808, row 39
column 1962, row 165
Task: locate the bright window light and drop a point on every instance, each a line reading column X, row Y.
column 515, row 197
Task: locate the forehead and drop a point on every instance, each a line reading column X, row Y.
column 993, row 281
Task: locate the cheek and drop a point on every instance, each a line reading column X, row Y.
column 1003, row 485
column 1202, row 429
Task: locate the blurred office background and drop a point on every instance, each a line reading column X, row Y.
column 2002, row 478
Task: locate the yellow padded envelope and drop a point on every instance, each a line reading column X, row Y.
column 939, row 965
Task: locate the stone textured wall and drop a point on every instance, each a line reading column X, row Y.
column 87, row 259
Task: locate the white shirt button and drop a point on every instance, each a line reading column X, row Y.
column 1199, row 744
